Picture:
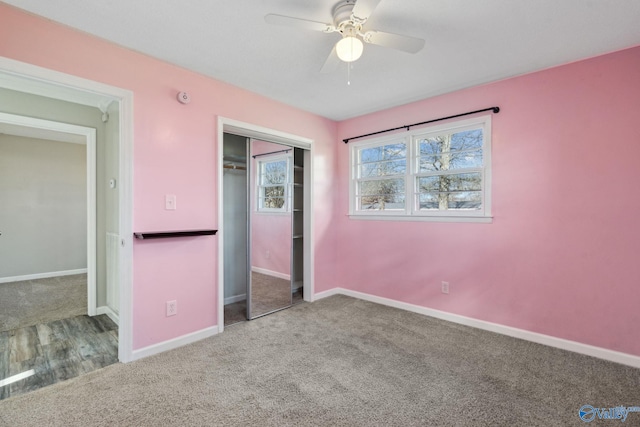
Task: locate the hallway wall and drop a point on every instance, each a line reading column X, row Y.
column 43, row 195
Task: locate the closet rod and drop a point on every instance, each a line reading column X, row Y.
column 273, row 152
column 234, row 167
column 407, row 127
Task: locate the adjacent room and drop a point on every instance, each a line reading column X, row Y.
column 333, row 212
column 58, row 302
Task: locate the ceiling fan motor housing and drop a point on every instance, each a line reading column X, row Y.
column 343, row 16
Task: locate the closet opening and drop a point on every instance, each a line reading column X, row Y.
column 265, row 258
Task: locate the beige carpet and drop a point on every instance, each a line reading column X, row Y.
column 30, row 302
column 339, row 361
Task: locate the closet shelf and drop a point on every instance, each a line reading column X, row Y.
column 164, row 234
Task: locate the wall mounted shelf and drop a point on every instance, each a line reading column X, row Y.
column 167, row 234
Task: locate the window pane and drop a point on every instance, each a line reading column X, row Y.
column 451, row 161
column 466, row 200
column 384, row 152
column 272, row 197
column 434, row 163
column 392, row 167
column 387, row 194
column 272, row 203
column 277, row 191
column 467, row 140
column 466, row 159
column 381, row 187
column 460, row 141
column 273, row 172
column 446, row 183
column 382, row 203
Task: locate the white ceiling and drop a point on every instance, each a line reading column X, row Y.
column 468, row 42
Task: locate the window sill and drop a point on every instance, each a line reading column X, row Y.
column 282, row 213
column 416, row 218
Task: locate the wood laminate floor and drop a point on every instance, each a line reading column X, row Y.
column 55, row 351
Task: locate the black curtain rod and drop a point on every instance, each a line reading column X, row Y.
column 273, row 152
column 407, row 127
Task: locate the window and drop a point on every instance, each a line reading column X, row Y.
column 273, row 184
column 436, row 173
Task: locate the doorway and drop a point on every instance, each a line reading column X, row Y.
column 57, row 165
column 118, row 103
column 265, row 263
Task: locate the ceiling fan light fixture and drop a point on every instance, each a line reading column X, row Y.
column 349, row 49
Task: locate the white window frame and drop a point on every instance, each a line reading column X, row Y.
column 411, row 211
column 287, row 184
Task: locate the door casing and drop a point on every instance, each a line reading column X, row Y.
column 24, row 77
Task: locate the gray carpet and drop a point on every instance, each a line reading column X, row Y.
column 269, row 293
column 30, row 302
column 339, row 361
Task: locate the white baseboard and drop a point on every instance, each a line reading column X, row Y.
column 576, row 347
column 271, row 273
column 174, row 343
column 42, row 275
column 235, row 298
column 107, row 310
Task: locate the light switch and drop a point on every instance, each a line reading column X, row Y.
column 170, row 202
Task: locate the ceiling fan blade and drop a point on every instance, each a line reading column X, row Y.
column 332, row 62
column 394, row 41
column 305, row 24
column 364, row 8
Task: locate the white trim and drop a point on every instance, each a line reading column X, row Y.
column 109, row 312
column 271, row 273
column 57, row 85
column 329, row 293
column 262, row 133
column 42, row 275
column 226, row 125
column 54, row 84
column 174, row 343
column 477, row 219
column 563, row 344
column 235, row 298
column 308, row 243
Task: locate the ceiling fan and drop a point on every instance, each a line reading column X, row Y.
column 349, row 19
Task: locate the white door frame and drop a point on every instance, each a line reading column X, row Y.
column 30, row 78
column 248, row 130
column 87, row 136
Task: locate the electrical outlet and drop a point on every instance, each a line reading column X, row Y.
column 445, row 287
column 172, row 308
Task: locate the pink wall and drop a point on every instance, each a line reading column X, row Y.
column 175, row 151
column 561, row 256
